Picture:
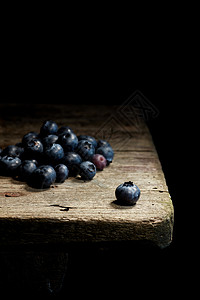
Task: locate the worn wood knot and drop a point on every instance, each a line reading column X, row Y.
column 12, row 194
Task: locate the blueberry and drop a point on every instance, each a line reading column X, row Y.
column 48, row 127
column 29, row 136
column 34, row 161
column 26, row 169
column 53, row 153
column 89, row 138
column 102, row 143
column 33, row 149
column 107, row 152
column 49, row 140
column 68, row 141
column 64, row 129
column 87, row 170
column 85, row 149
column 127, row 193
column 72, row 160
column 99, row 161
column 62, row 173
column 9, row 165
column 13, row 150
column 42, row 177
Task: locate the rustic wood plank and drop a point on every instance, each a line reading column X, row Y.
column 78, row 211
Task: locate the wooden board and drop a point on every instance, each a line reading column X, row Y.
column 78, row 211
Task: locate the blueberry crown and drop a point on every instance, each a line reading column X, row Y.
column 87, row 145
column 128, row 183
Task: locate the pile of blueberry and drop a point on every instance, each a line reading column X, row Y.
column 53, row 155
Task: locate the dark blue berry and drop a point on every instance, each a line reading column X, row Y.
column 127, row 193
column 9, row 165
column 64, row 129
column 49, row 140
column 33, row 149
column 42, row 177
column 72, row 160
column 26, row 169
column 13, row 150
column 29, row 136
column 53, row 153
column 107, row 152
column 48, row 127
column 89, row 138
column 85, row 149
column 34, row 161
column 68, row 141
column 102, row 143
column 87, row 170
column 62, row 173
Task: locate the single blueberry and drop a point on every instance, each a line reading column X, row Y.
column 26, row 169
column 72, row 160
column 53, row 153
column 9, row 165
column 48, row 127
column 64, row 129
column 13, row 150
column 34, row 161
column 102, row 143
column 42, row 177
column 127, row 193
column 62, row 173
column 99, row 161
column 33, row 149
column 89, row 138
column 68, row 141
column 29, row 136
column 107, row 152
column 49, row 140
column 87, row 170
column 85, row 149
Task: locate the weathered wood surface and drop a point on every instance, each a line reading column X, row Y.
column 78, row 211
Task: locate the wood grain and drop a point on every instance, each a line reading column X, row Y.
column 78, row 211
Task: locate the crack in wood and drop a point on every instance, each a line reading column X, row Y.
column 63, row 208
